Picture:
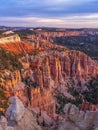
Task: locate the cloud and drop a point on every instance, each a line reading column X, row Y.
column 89, row 20
column 48, row 12
column 45, row 8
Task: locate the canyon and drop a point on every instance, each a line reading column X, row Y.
column 84, row 40
column 46, row 68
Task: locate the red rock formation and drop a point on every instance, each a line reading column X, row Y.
column 59, row 66
column 14, row 44
column 17, row 47
column 51, row 67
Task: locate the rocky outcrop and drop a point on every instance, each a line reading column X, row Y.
column 28, row 122
column 9, row 39
column 17, row 47
column 56, row 67
column 14, row 44
column 77, row 120
column 16, row 110
column 18, row 117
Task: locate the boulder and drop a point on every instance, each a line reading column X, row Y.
column 71, row 112
column 74, row 113
column 20, row 118
column 67, row 108
column 16, row 110
column 28, row 122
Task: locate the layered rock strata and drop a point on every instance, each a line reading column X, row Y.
column 14, row 44
column 56, row 67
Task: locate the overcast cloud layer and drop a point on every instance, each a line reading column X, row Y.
column 51, row 13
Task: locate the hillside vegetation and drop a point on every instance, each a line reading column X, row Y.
column 9, row 61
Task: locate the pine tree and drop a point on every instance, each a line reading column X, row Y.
column 91, row 94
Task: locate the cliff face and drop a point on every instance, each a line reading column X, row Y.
column 14, row 44
column 9, row 79
column 56, row 67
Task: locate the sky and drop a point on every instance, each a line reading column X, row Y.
column 49, row 13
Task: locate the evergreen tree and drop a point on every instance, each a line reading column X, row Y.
column 91, row 94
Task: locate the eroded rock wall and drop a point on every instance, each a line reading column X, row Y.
column 56, row 67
